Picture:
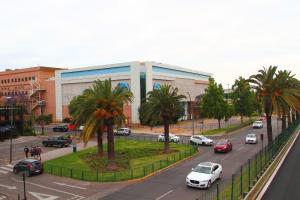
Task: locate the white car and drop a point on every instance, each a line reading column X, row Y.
column 204, row 174
column 200, row 139
column 258, row 124
column 172, row 138
column 123, row 131
column 251, row 138
column 81, row 127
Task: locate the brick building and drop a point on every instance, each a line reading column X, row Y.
column 35, row 85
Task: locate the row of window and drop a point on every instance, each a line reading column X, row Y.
column 16, row 88
column 18, row 79
column 14, row 93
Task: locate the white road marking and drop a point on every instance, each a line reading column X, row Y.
column 9, row 165
column 8, row 187
column 6, row 168
column 2, row 197
column 63, row 184
column 3, row 172
column 162, row 196
column 45, row 187
column 41, row 196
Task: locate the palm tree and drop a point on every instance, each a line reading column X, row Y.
column 100, row 106
column 286, row 96
column 277, row 92
column 264, row 84
column 109, row 110
column 163, row 105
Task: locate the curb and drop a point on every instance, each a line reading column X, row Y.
column 277, row 163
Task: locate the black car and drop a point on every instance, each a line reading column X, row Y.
column 57, row 141
column 29, row 167
column 61, row 128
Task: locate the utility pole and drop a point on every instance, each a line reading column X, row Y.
column 191, row 110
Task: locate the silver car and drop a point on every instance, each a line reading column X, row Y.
column 251, row 138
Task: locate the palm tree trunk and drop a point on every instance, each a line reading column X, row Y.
column 269, row 128
column 100, row 142
column 111, row 148
column 166, row 132
column 283, row 122
column 289, row 118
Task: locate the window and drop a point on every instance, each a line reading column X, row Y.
column 15, row 79
column 22, row 79
column 4, row 81
column 25, row 78
column 29, row 78
column 33, row 78
column 18, row 79
column 12, row 80
column 7, row 80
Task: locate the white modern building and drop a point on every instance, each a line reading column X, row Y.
column 140, row 77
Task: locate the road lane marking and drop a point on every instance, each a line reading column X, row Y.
column 240, row 148
column 45, row 187
column 6, row 168
column 8, row 187
column 41, row 196
column 162, row 196
column 63, row 184
column 3, row 172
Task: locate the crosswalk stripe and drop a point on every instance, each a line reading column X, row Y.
column 9, row 165
column 3, row 172
column 6, row 168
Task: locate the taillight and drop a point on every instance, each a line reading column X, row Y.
column 29, row 166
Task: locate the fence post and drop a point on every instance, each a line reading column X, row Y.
column 160, row 164
column 115, row 176
column 242, row 180
column 51, row 169
column 144, row 171
column 255, row 166
column 260, row 166
column 97, row 175
column 131, row 173
column 249, row 174
column 152, row 167
column 60, row 171
column 71, row 173
column 218, row 191
column 232, row 185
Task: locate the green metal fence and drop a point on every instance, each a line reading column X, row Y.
column 244, row 179
column 133, row 173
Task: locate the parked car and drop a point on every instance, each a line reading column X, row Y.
column 224, row 145
column 29, row 167
column 172, row 138
column 57, row 141
column 123, row 131
column 61, row 128
column 200, row 139
column 258, row 124
column 204, row 174
column 251, row 138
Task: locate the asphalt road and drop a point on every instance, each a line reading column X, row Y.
column 286, row 184
column 170, row 184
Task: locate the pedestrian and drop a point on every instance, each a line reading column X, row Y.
column 38, row 152
column 31, row 151
column 26, row 151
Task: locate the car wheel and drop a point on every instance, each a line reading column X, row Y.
column 220, row 176
column 208, row 184
column 203, row 143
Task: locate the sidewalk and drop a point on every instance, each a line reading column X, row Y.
column 66, row 150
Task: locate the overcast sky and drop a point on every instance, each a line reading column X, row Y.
column 226, row 38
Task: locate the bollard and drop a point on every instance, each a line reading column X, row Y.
column 232, row 185
column 249, row 169
column 241, row 180
column 218, row 197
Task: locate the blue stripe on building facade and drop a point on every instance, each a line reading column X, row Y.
column 179, row 72
column 103, row 71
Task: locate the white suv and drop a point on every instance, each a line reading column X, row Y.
column 123, row 131
column 172, row 138
column 258, row 124
column 200, row 139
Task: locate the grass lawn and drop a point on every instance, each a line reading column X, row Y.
column 142, row 157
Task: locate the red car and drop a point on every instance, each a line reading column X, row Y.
column 223, row 146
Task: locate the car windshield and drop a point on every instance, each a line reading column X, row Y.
column 251, row 135
column 202, row 169
column 221, row 142
column 257, row 122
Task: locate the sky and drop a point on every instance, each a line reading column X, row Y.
column 229, row 38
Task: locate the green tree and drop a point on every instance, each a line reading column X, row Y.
column 275, row 92
column 213, row 103
column 101, row 106
column 163, row 105
column 243, row 98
